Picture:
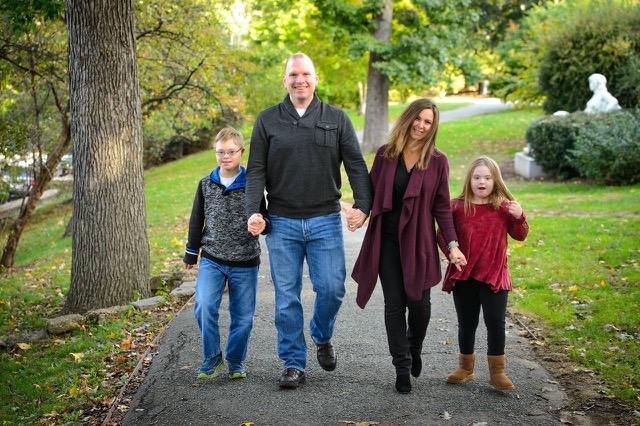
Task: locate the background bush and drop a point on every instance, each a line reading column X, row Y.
column 602, row 38
column 552, row 140
column 607, row 148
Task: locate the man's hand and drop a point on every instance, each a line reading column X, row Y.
column 256, row 224
column 188, row 266
column 355, row 218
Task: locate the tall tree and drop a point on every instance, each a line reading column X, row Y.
column 425, row 37
column 110, row 257
column 376, row 122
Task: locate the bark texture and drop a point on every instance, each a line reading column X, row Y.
column 376, row 121
column 110, row 259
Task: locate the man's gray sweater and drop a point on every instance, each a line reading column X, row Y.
column 297, row 159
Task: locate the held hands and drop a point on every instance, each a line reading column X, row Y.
column 256, row 224
column 515, row 209
column 355, row 218
column 187, row 266
column 457, row 258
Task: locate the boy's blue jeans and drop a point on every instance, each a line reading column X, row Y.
column 242, row 283
column 319, row 239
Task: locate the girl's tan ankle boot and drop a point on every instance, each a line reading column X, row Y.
column 464, row 372
column 498, row 378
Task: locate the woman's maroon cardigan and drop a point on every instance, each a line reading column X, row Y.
column 426, row 199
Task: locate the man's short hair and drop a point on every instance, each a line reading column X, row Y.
column 298, row 55
column 230, row 133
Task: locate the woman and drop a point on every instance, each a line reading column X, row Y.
column 410, row 179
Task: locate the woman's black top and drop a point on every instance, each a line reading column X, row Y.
column 391, row 220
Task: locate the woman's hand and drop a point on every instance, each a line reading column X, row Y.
column 457, row 258
column 355, row 218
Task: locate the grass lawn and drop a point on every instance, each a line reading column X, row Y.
column 578, row 273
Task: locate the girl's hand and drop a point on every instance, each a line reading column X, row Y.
column 514, row 209
column 187, row 266
column 457, row 258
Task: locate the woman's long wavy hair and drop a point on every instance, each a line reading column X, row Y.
column 500, row 191
column 400, row 136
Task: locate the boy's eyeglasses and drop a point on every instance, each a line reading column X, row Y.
column 221, row 153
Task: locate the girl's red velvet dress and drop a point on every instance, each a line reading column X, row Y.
column 483, row 239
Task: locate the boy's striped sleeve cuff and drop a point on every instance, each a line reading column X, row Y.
column 191, row 256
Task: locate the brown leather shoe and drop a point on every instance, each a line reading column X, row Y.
column 291, row 378
column 327, row 357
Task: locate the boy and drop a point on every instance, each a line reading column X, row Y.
column 218, row 231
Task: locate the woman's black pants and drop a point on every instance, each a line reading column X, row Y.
column 468, row 297
column 405, row 335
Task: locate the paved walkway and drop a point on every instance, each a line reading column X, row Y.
column 361, row 389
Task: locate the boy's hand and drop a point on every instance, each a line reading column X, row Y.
column 515, row 209
column 457, row 258
column 188, row 266
column 256, row 224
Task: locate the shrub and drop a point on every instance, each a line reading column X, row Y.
column 602, row 38
column 607, row 148
column 552, row 140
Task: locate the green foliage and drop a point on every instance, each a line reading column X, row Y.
column 522, row 49
column 23, row 16
column 602, row 38
column 280, row 28
column 607, row 148
column 552, row 140
column 425, row 38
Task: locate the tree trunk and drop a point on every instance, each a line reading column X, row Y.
column 42, row 180
column 376, row 120
column 110, row 257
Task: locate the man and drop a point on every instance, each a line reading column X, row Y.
column 297, row 147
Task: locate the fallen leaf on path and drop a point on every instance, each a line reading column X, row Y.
column 77, row 356
column 24, row 346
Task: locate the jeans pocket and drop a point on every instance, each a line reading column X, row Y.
column 326, row 134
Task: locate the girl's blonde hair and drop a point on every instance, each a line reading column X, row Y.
column 500, row 191
column 401, row 133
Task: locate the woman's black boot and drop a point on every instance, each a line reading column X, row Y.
column 403, row 383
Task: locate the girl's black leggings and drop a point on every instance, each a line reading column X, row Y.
column 468, row 297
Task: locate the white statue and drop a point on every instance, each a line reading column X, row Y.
column 602, row 100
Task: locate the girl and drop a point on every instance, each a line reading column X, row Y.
column 483, row 215
column 410, row 180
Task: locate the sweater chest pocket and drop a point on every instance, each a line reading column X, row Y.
column 326, row 134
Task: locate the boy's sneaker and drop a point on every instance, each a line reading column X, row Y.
column 211, row 368
column 237, row 374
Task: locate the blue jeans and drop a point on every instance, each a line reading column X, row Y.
column 319, row 240
column 242, row 305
